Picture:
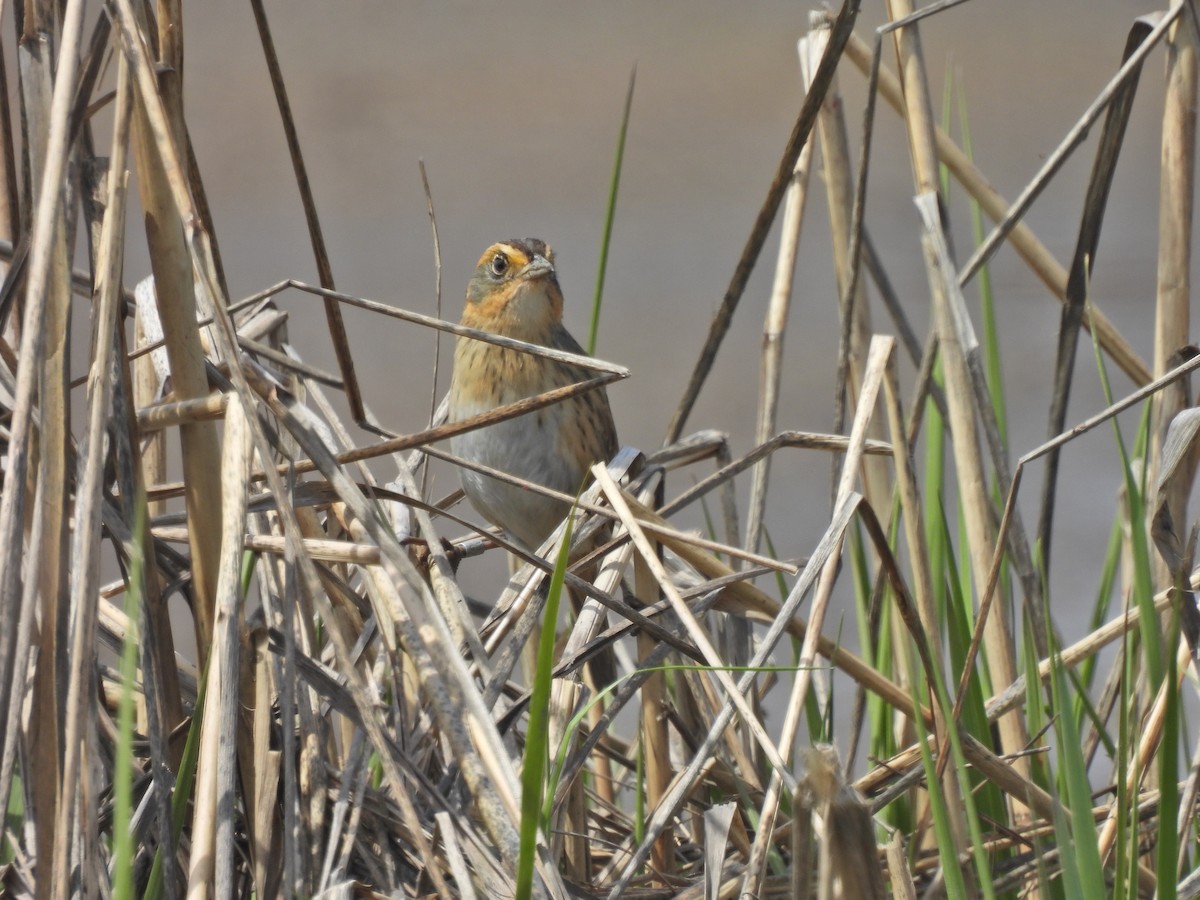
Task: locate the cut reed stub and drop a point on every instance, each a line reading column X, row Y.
column 848, row 852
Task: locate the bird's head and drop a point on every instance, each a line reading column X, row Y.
column 514, row 290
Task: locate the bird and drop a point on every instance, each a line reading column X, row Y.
column 514, row 292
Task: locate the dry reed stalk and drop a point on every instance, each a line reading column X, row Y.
column 80, row 735
column 346, row 552
column 920, row 122
column 10, row 199
column 970, row 472
column 51, row 687
column 156, row 416
column 211, row 867
column 42, row 356
column 1187, row 804
column 849, row 848
column 854, row 312
column 803, row 843
column 778, row 307
column 918, row 554
column 178, row 303
column 899, row 873
column 1175, row 202
column 262, row 768
column 228, row 637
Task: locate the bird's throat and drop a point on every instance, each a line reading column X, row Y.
column 527, row 311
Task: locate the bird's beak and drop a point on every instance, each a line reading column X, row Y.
column 538, row 267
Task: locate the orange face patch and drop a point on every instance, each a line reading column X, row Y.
column 487, row 313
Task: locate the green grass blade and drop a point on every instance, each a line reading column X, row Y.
column 123, row 769
column 1104, row 595
column 1049, row 882
column 537, row 736
column 933, row 487
column 956, row 885
column 610, row 215
column 1079, row 843
column 992, row 367
column 1135, row 493
column 184, row 782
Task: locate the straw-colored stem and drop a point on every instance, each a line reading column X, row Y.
column 177, row 304
column 44, row 350
column 899, row 873
column 918, row 554
column 777, row 315
column 981, row 536
column 81, row 713
column 855, row 314
column 9, row 197
column 211, row 869
column 1172, row 313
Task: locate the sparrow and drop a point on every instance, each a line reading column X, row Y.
column 514, row 292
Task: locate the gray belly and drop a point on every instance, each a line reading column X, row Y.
column 529, row 447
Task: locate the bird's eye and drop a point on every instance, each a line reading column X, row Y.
column 499, row 264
